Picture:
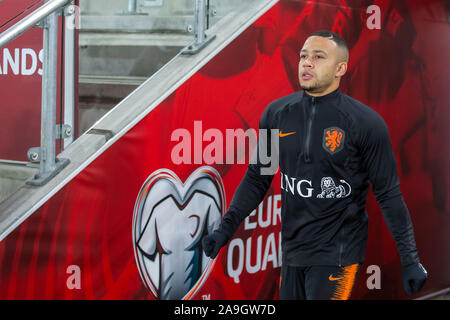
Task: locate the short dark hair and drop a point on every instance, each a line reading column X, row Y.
column 333, row 37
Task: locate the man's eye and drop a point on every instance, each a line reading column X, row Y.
column 302, row 56
column 319, row 57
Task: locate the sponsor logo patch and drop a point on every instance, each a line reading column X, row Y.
column 282, row 134
column 332, row 190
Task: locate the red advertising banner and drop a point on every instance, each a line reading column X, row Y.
column 129, row 226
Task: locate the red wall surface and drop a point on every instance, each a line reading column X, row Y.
column 399, row 70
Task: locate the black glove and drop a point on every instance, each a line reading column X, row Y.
column 413, row 277
column 213, row 242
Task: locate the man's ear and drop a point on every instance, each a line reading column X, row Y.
column 341, row 69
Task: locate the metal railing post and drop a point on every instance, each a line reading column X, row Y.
column 201, row 39
column 68, row 129
column 200, row 21
column 48, row 115
column 30, row 21
column 132, row 6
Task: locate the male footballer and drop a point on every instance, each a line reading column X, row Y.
column 331, row 148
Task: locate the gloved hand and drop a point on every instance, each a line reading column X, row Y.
column 413, row 277
column 213, row 242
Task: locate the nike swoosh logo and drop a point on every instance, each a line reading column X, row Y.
column 285, row 134
column 333, row 279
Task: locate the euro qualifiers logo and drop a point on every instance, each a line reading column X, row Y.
column 169, row 221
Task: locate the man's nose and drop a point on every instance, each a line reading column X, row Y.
column 306, row 62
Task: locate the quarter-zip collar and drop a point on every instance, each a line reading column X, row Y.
column 309, row 113
column 328, row 97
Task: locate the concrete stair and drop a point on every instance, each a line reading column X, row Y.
column 118, row 50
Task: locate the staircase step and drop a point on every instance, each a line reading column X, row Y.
column 13, row 175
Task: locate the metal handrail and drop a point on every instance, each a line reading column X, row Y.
column 31, row 20
column 49, row 165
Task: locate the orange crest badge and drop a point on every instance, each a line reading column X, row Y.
column 333, row 139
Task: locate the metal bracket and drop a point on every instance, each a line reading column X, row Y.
column 34, row 154
column 63, row 131
column 40, row 179
column 212, row 11
column 196, row 47
column 42, row 24
column 201, row 39
column 69, row 10
column 189, row 26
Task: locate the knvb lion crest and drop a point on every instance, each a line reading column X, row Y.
column 169, row 221
column 333, row 139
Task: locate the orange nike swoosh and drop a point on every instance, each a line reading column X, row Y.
column 333, row 279
column 285, row 134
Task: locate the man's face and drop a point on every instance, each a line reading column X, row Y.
column 318, row 66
